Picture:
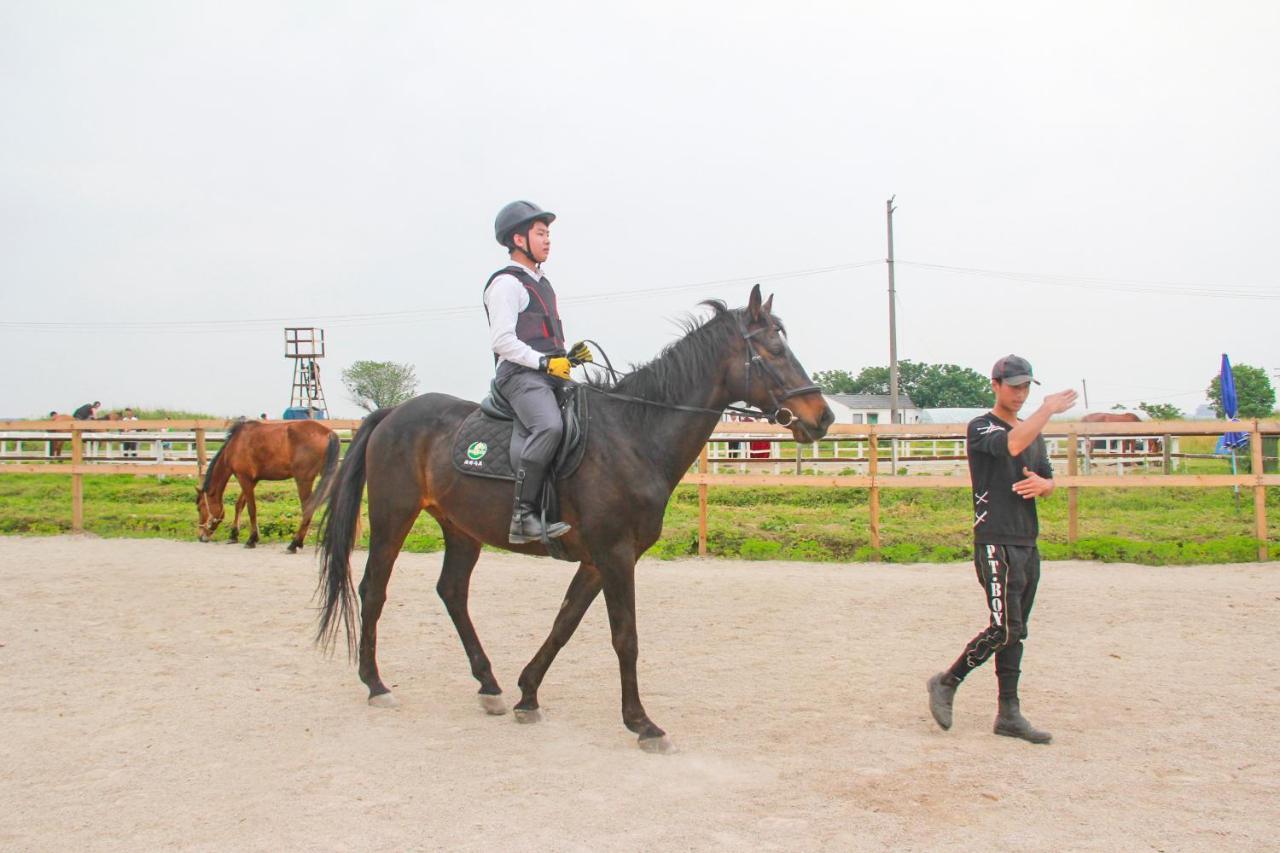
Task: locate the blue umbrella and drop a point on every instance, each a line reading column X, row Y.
column 1230, row 403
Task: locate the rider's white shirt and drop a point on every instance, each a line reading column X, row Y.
column 505, row 298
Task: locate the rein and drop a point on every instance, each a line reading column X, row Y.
column 755, row 362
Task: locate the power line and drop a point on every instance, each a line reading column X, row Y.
column 418, row 315
column 1170, row 288
column 415, row 315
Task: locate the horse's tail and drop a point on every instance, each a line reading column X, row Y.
column 326, row 476
column 337, row 538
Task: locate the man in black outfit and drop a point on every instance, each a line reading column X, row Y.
column 1010, row 468
column 86, row 412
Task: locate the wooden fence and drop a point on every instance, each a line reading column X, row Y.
column 880, row 439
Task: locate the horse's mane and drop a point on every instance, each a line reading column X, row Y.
column 213, row 463
column 682, row 365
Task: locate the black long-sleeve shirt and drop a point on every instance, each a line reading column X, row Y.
column 1000, row 515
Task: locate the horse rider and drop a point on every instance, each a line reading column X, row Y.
column 527, row 339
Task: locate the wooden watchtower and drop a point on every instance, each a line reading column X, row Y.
column 305, row 345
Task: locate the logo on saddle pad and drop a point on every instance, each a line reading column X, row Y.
column 475, row 452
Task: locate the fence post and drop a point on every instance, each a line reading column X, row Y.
column 201, row 455
column 1259, row 491
column 873, row 452
column 702, row 504
column 77, row 480
column 1073, row 493
column 1167, row 440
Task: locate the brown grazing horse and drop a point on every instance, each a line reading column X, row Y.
column 256, row 451
column 645, row 432
column 1127, row 445
column 55, row 446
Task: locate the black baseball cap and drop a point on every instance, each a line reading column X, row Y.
column 1013, row 370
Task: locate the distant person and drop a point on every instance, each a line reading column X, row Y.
column 54, row 448
column 130, row 447
column 87, row 411
column 1009, row 468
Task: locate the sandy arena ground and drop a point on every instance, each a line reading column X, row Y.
column 167, row 695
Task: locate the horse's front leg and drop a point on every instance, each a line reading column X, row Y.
column 235, row 523
column 247, row 490
column 304, row 495
column 583, row 590
column 619, row 576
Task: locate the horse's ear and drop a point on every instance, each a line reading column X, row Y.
column 753, row 305
column 768, row 305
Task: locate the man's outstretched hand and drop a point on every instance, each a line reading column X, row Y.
column 1034, row 485
column 1061, row 401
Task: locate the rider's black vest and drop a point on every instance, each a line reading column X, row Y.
column 538, row 325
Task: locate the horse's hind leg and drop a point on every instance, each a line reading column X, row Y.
column 388, row 527
column 460, row 555
column 583, row 590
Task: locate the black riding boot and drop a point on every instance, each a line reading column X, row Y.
column 1011, row 723
column 942, row 694
column 526, row 518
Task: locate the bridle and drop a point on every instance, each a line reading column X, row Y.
column 755, row 362
column 209, row 524
column 780, row 415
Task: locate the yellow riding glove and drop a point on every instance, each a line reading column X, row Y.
column 557, row 366
column 580, row 353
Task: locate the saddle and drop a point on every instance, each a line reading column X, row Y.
column 487, row 444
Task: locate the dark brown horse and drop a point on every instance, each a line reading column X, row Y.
column 256, row 451
column 636, row 453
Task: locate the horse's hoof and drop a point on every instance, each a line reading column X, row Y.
column 493, row 705
column 251, row 544
column 657, row 745
column 383, row 700
column 528, row 715
column 292, row 549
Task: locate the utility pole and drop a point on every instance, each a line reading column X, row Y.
column 1084, row 383
column 893, row 321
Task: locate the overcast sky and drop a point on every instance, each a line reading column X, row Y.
column 180, row 181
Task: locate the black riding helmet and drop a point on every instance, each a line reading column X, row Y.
column 516, row 218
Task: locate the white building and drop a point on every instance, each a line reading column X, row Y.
column 951, row 415
column 871, row 408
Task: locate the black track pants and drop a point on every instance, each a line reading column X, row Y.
column 1009, row 575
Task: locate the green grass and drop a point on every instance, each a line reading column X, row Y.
column 1154, row 526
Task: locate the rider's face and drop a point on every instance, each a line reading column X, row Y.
column 539, row 238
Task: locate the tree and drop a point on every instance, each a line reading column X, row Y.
column 1161, row 411
column 1253, row 391
column 930, row 386
column 379, row 384
column 834, row 381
